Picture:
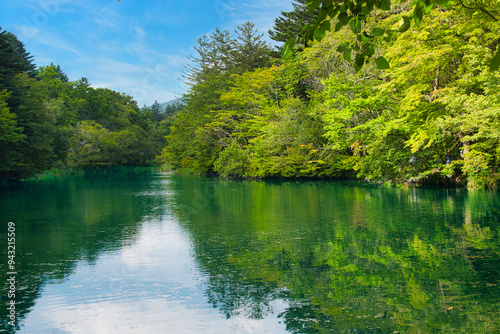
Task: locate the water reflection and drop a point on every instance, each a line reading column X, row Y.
column 347, row 257
column 65, row 220
column 151, row 286
column 161, row 253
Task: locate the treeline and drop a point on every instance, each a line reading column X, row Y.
column 48, row 122
column 434, row 116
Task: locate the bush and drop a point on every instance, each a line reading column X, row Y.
column 232, row 161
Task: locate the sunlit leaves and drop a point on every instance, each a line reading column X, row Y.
column 443, row 3
column 347, row 12
column 330, row 104
column 10, row 134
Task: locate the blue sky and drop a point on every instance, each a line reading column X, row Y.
column 138, row 47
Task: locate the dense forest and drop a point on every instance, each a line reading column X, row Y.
column 328, row 111
column 50, row 123
column 367, row 95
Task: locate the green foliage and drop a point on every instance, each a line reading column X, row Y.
column 355, row 15
column 51, row 122
column 189, row 148
column 337, row 109
column 14, row 60
column 36, row 151
column 404, row 95
column 94, row 146
column 205, row 124
column 232, row 161
column 26, row 143
column 11, row 136
column 289, row 24
column 250, row 51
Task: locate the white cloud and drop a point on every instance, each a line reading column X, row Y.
column 112, row 46
column 146, row 83
column 139, row 32
column 107, row 17
column 139, row 53
column 148, row 316
column 149, row 286
column 47, row 37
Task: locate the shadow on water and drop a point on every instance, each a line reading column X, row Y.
column 347, row 258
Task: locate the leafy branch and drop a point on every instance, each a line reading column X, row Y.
column 353, row 13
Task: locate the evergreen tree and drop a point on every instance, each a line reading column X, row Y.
column 29, row 151
column 157, row 114
column 14, row 59
column 215, row 55
column 196, row 71
column 289, row 24
column 172, row 108
column 47, row 121
column 251, row 51
column 35, row 151
column 61, row 75
column 223, row 47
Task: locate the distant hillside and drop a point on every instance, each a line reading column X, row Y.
column 164, row 105
column 165, row 109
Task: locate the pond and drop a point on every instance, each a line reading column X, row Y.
column 139, row 251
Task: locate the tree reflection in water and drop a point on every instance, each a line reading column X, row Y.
column 347, row 257
column 322, row 257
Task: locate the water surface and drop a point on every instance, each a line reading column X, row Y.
column 146, row 252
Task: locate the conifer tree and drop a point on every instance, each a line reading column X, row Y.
column 157, row 114
column 14, row 59
column 251, row 50
column 289, row 24
column 62, row 76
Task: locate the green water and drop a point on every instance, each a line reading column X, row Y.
column 144, row 252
